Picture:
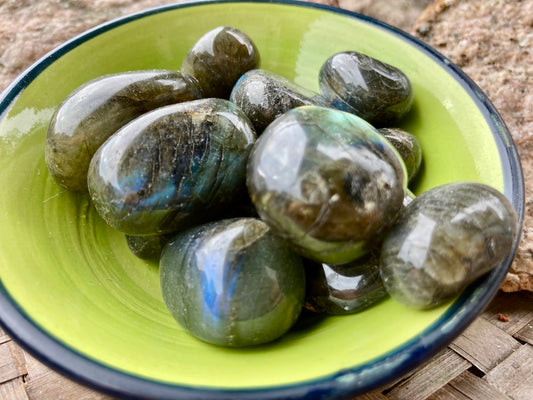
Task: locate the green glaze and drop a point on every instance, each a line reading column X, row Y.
column 75, row 276
column 232, row 282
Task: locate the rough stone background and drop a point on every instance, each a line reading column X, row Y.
column 31, row 28
column 492, row 41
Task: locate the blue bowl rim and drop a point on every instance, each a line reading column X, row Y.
column 349, row 382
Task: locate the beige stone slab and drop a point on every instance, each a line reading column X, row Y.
column 491, row 41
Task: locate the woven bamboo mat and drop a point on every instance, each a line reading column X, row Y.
column 491, row 360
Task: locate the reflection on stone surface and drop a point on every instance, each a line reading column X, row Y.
column 444, row 240
column 327, row 181
column 232, row 282
column 219, row 58
column 373, row 90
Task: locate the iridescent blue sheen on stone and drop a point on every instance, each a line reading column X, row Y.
column 173, row 167
column 264, row 96
column 232, row 282
column 373, row 90
column 327, row 181
column 445, row 239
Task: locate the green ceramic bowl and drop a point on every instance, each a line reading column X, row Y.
column 73, row 295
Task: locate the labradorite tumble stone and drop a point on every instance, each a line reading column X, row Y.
column 407, row 146
column 232, row 282
column 445, row 239
column 344, row 289
column 219, row 58
column 264, row 96
column 94, row 111
column 172, row 167
column 147, row 247
column 369, row 88
column 327, row 181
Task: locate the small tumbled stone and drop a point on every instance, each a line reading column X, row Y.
column 147, row 247
column 232, row 282
column 373, row 90
column 445, row 239
column 219, row 58
column 344, row 289
column 408, row 146
column 264, row 96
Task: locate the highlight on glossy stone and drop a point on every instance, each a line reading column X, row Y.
column 373, row 90
column 232, row 282
column 445, row 239
column 219, row 58
column 172, row 167
column 344, row 289
column 407, row 146
column 97, row 109
column 327, row 181
column 264, row 96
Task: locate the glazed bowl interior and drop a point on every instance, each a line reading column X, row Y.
column 74, row 295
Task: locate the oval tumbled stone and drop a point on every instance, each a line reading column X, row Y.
column 373, row 90
column 264, row 96
column 172, row 167
column 219, row 58
column 232, row 282
column 445, row 239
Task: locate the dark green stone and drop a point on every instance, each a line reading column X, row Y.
column 344, row 289
column 232, row 282
column 96, row 110
column 147, row 247
column 445, row 239
column 264, row 96
column 219, row 58
column 327, row 181
column 172, row 168
column 408, row 146
column 375, row 91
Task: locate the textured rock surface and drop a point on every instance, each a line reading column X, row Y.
column 48, row 23
column 492, row 41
